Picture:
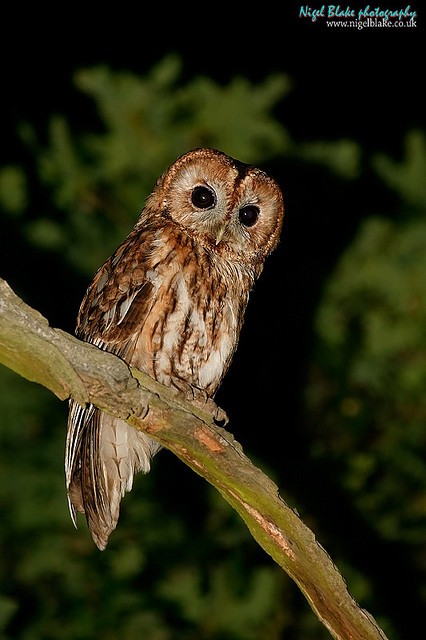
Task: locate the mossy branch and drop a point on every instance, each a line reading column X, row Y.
column 72, row 368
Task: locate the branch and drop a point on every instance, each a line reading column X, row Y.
column 72, row 368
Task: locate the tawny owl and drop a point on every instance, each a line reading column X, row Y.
column 170, row 301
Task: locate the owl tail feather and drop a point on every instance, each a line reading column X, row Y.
column 111, row 452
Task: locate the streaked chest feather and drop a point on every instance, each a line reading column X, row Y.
column 170, row 310
column 190, row 334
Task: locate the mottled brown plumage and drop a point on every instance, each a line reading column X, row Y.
column 170, row 301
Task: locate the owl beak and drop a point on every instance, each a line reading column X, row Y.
column 220, row 232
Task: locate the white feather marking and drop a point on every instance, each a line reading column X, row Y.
column 109, row 317
column 123, row 452
column 98, row 342
column 210, row 372
column 102, row 281
column 124, row 307
column 177, row 318
column 154, row 278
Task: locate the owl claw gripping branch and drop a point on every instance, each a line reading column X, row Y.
column 170, row 301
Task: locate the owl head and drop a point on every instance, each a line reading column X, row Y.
column 233, row 209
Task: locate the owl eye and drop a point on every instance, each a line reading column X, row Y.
column 248, row 215
column 203, row 197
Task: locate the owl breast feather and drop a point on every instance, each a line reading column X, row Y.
column 180, row 311
column 190, row 335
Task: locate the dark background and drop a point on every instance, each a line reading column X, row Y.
column 362, row 85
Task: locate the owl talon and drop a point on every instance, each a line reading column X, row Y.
column 210, row 406
column 220, row 416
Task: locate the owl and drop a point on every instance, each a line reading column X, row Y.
column 170, row 301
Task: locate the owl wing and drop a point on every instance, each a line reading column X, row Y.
column 103, row 453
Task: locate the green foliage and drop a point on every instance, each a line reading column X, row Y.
column 342, row 157
column 367, row 391
column 166, row 575
column 368, row 380
column 13, row 190
column 408, row 176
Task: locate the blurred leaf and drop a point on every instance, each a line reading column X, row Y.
column 8, row 608
column 407, row 177
column 222, row 608
column 342, row 157
column 46, row 234
column 13, row 190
